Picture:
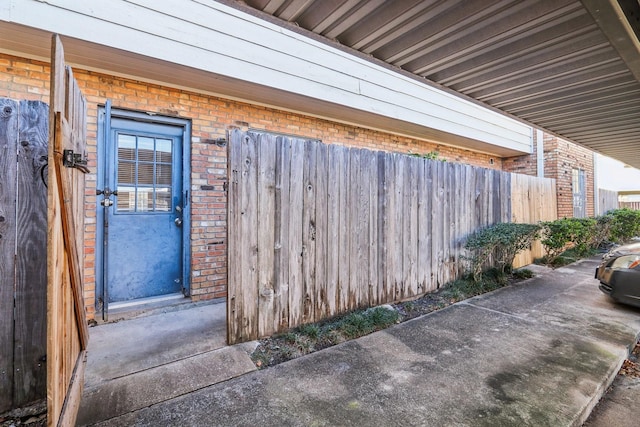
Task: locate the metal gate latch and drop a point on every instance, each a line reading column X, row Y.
column 74, row 160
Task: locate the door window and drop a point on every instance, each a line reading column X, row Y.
column 579, row 193
column 144, row 178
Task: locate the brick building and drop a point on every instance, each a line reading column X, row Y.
column 141, row 81
column 210, row 117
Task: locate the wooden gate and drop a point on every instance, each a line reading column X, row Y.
column 23, row 266
column 67, row 333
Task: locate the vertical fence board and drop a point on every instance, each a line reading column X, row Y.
column 424, row 227
column 342, row 169
column 309, row 232
column 364, row 201
column 248, row 229
column 322, row 232
column 355, row 227
column 281, row 259
column 266, row 233
column 234, row 277
column 458, row 235
column 333, row 230
column 372, row 262
column 437, row 213
column 31, row 255
column 385, row 194
column 296, row 190
column 9, row 113
column 412, row 227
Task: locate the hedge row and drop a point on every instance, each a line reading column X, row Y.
column 497, row 246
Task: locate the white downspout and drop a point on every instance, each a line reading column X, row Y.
column 596, row 192
column 540, row 153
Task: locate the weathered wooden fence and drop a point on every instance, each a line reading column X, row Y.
column 607, row 200
column 532, row 200
column 630, row 205
column 67, row 334
column 315, row 230
column 23, row 259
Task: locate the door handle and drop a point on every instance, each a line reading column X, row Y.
column 178, row 222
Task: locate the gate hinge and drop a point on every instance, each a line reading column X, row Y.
column 74, row 160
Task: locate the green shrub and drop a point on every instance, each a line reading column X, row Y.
column 565, row 233
column 625, row 224
column 602, row 230
column 497, row 246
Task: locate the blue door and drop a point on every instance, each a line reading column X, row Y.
column 143, row 210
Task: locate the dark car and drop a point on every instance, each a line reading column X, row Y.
column 619, row 274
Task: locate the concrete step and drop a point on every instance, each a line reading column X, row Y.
column 114, row 397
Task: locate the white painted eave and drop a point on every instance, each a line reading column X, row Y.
column 208, row 47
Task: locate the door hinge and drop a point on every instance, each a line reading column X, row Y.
column 74, row 160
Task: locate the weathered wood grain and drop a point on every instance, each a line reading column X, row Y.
column 357, row 275
column 248, row 231
column 410, row 227
column 296, row 189
column 344, row 255
column 266, row 232
column 353, row 228
column 321, row 233
column 31, row 255
column 309, row 232
column 67, row 334
column 398, row 251
column 234, row 278
column 382, row 211
column 389, row 248
column 371, row 179
column 333, row 231
column 9, row 114
column 282, row 227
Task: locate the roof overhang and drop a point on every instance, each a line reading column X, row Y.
column 567, row 66
column 212, row 48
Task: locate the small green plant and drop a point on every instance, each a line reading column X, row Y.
column 311, row 330
column 361, row 323
column 522, row 274
column 431, row 155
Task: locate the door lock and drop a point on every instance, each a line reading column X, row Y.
column 106, row 202
column 107, row 192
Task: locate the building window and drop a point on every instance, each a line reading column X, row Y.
column 578, row 184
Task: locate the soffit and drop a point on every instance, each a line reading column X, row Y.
column 567, row 66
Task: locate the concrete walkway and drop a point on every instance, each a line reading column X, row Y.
column 540, row 353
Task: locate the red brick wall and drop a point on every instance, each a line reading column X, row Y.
column 211, row 117
column 560, row 158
